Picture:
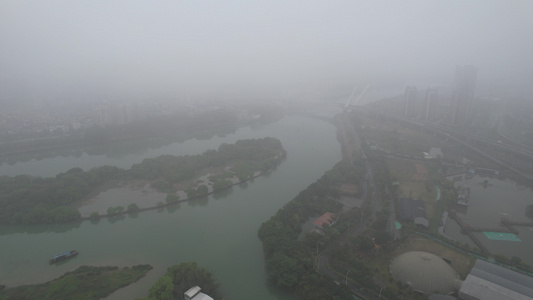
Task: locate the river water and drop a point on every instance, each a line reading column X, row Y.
column 219, row 233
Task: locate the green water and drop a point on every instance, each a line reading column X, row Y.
column 219, row 233
column 501, row 236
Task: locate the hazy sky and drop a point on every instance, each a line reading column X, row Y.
column 152, row 48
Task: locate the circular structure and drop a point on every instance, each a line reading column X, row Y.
column 425, row 272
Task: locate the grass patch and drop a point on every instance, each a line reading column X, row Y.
column 85, row 283
column 400, row 168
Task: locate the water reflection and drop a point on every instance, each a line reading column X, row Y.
column 114, row 219
column 200, row 201
column 36, row 229
column 243, row 185
column 224, row 193
column 172, row 208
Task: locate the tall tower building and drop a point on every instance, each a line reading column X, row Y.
column 463, row 94
column 430, row 104
column 409, row 101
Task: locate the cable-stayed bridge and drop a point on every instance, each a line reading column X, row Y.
column 355, row 103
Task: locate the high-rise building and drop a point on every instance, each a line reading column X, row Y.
column 409, row 108
column 463, row 94
column 430, row 104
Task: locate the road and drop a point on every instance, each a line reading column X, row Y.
column 324, row 268
column 369, row 176
column 470, row 141
column 322, row 260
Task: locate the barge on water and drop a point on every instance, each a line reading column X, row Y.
column 63, row 256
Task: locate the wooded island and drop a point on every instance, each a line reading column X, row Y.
column 36, row 200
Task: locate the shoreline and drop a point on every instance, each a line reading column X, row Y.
column 125, row 212
column 74, row 195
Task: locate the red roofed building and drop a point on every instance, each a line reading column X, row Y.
column 327, row 218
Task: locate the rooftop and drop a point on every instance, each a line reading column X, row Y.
column 413, row 210
column 489, row 281
column 195, row 294
column 425, row 272
column 327, row 218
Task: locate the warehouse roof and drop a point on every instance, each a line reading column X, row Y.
column 490, row 281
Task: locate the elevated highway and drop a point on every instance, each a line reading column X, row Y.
column 511, row 157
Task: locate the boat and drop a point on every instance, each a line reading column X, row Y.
column 63, row 256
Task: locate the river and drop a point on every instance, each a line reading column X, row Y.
column 219, row 233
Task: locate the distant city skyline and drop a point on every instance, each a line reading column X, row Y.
column 463, row 94
column 410, row 101
column 144, row 51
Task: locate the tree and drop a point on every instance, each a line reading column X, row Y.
column 283, row 270
column 94, row 216
column 221, row 184
column 162, row 289
column 172, row 198
column 28, row 199
column 364, row 243
column 202, row 190
column 191, row 193
column 314, row 286
column 133, row 207
column 189, row 274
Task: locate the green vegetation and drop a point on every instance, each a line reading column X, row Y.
column 182, row 277
column 84, row 283
column 202, row 190
column 162, row 289
column 172, row 198
column 115, row 210
column 36, row 200
column 94, row 217
column 174, row 169
column 289, row 261
column 27, row 199
column 221, row 185
column 133, row 207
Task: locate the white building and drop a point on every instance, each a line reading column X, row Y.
column 195, row 294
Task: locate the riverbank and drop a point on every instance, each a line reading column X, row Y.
column 37, row 200
column 225, row 223
column 161, row 205
column 84, row 283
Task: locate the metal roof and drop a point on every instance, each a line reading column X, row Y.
column 195, row 294
column 425, row 272
column 490, row 281
column 413, row 210
column 202, row 296
column 192, row 291
column 326, row 218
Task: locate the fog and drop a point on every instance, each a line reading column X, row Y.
column 145, row 50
